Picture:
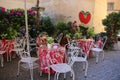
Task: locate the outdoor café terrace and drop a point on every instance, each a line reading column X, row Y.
column 104, row 70
column 34, row 47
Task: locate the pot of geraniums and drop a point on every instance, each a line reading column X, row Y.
column 50, row 41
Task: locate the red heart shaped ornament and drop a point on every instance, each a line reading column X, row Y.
column 84, row 17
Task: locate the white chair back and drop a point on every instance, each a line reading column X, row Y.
column 100, row 43
column 56, row 61
column 23, row 54
column 59, row 37
column 105, row 40
column 72, row 50
column 22, row 51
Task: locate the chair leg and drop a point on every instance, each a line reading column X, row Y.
column 86, row 68
column 7, row 56
column 73, row 74
column 18, row 68
column 31, row 70
column 17, row 53
column 64, row 76
column 10, row 56
column 55, row 76
column 2, row 60
column 40, row 73
column 103, row 56
column 49, row 73
column 97, row 57
column 71, row 63
column 58, row 75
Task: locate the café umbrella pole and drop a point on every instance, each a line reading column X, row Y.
column 26, row 26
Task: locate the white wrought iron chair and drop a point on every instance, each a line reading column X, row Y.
column 72, row 49
column 98, row 49
column 83, row 56
column 19, row 46
column 18, row 42
column 60, row 67
column 27, row 62
column 59, row 38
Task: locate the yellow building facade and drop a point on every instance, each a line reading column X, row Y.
column 67, row 10
column 113, row 6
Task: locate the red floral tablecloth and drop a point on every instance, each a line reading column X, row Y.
column 6, row 45
column 54, row 55
column 85, row 44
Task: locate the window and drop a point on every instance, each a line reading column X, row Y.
column 110, row 6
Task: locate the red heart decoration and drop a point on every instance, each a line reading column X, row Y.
column 84, row 17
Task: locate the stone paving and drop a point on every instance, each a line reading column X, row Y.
column 109, row 69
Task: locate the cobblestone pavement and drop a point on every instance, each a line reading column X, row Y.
column 109, row 69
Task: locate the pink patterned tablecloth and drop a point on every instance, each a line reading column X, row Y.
column 85, row 44
column 43, row 51
column 6, row 45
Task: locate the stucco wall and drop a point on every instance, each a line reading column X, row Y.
column 100, row 12
column 116, row 4
column 10, row 4
column 66, row 10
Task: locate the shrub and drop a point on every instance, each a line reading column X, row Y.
column 47, row 26
column 9, row 34
column 61, row 27
column 83, row 30
column 15, row 18
column 112, row 27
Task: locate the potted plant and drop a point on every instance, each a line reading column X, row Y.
column 50, row 41
column 77, row 35
column 9, row 34
column 90, row 32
